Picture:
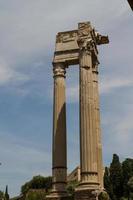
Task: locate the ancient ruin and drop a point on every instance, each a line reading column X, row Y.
column 78, row 47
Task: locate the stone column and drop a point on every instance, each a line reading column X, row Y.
column 59, row 132
column 88, row 137
column 97, row 119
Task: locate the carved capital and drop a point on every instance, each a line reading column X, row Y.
column 86, row 39
column 59, row 70
column 88, row 44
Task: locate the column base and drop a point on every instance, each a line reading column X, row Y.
column 54, row 195
column 82, row 193
column 86, row 194
column 87, row 191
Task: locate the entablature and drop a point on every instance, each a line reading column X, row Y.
column 70, row 43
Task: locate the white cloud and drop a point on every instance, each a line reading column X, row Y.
column 9, row 74
column 5, row 73
column 28, row 28
column 108, row 85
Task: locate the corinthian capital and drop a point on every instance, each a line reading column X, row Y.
column 59, row 70
column 86, row 44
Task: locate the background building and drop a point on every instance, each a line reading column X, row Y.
column 75, row 175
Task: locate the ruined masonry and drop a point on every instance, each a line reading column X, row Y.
column 78, row 47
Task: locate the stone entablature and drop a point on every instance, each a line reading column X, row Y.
column 68, row 43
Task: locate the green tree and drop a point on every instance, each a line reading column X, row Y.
column 103, row 196
column 130, row 185
column 37, row 182
column 71, row 187
column 25, row 187
column 1, row 195
column 35, row 195
column 127, row 168
column 107, row 183
column 116, row 177
column 6, row 194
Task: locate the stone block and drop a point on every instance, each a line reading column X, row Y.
column 85, row 195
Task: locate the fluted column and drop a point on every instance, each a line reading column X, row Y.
column 97, row 119
column 88, row 138
column 59, row 131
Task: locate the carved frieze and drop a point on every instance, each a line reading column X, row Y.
column 84, row 29
column 66, row 37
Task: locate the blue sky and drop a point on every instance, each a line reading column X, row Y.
column 27, row 37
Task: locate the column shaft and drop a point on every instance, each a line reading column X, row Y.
column 98, row 129
column 88, row 139
column 59, row 131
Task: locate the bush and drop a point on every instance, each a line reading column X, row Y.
column 35, row 195
column 103, row 196
column 37, row 182
column 71, row 187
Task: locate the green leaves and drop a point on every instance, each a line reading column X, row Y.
column 118, row 179
column 37, row 182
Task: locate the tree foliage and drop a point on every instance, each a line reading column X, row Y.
column 118, row 182
column 6, row 196
column 1, row 195
column 118, row 179
column 37, row 182
column 35, row 195
column 71, row 187
column 107, row 183
column 130, row 184
column 127, row 167
column 103, row 196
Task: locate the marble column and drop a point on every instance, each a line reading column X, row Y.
column 59, row 132
column 97, row 120
column 88, row 137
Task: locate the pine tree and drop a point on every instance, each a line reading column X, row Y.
column 130, row 185
column 127, row 168
column 1, row 195
column 6, row 193
column 107, row 183
column 116, row 177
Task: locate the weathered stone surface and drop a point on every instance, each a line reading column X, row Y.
column 85, row 195
column 67, row 48
column 59, row 198
column 59, row 132
column 78, row 47
column 88, row 140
